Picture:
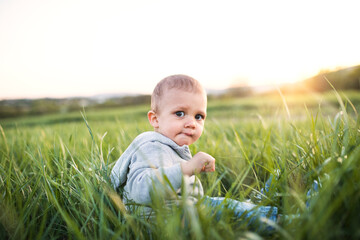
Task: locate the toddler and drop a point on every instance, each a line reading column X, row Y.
column 178, row 113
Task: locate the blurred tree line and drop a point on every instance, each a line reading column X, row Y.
column 343, row 79
column 23, row 107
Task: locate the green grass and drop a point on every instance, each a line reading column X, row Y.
column 54, row 171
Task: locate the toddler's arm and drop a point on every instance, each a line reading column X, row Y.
column 148, row 165
column 201, row 162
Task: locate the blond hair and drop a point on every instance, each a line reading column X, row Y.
column 178, row 81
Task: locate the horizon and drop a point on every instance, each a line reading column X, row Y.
column 134, row 94
column 258, row 88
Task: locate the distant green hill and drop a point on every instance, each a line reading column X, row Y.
column 344, row 79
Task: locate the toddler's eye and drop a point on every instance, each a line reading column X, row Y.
column 199, row 117
column 180, row 113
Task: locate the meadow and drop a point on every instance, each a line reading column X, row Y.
column 54, row 171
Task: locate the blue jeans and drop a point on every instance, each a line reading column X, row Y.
column 243, row 210
column 250, row 212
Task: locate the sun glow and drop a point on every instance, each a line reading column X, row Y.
column 82, row 48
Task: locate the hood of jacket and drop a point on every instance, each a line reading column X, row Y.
column 120, row 170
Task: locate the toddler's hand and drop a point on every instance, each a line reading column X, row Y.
column 201, row 162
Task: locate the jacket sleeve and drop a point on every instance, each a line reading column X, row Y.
column 147, row 171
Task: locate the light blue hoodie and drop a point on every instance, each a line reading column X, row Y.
column 143, row 165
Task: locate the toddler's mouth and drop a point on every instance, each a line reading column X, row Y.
column 187, row 134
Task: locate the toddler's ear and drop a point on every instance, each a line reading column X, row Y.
column 153, row 119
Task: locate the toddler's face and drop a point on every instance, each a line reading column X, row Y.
column 181, row 116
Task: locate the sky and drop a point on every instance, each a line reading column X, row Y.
column 52, row 48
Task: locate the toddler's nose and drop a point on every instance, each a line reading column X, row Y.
column 190, row 123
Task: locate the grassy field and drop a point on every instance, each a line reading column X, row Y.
column 54, row 171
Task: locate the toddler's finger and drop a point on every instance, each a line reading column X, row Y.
column 210, row 168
